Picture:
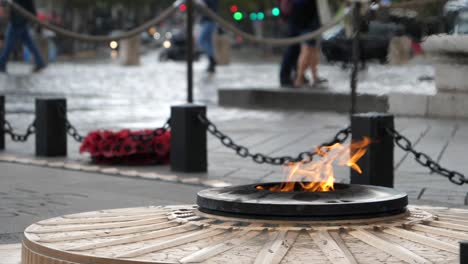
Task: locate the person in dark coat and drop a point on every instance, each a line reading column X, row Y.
column 208, row 28
column 18, row 30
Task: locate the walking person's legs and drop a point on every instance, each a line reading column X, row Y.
column 11, row 38
column 28, row 41
column 206, row 43
column 302, row 64
column 314, row 62
column 288, row 63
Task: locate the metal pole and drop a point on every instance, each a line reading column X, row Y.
column 356, row 53
column 189, row 51
column 2, row 122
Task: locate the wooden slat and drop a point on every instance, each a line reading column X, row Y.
column 448, row 225
column 117, row 212
column 10, row 254
column 136, row 238
column 344, row 248
column 230, row 242
column 453, row 220
column 148, row 221
column 442, row 217
column 331, row 249
column 274, row 252
column 440, row 231
column 97, row 220
column 412, row 236
column 202, row 234
column 388, row 247
column 108, row 233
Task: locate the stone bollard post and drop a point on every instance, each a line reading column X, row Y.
column 130, row 51
column 51, row 132
column 2, row 122
column 223, row 49
column 377, row 163
column 188, row 141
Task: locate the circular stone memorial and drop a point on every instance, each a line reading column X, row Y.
column 185, row 234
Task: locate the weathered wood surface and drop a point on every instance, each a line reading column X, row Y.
column 10, row 254
column 182, row 234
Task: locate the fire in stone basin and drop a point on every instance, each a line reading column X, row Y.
column 318, row 175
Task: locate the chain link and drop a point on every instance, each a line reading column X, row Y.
column 424, row 160
column 156, row 133
column 16, row 137
column 73, row 132
column 260, row 158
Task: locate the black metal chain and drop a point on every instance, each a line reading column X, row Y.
column 405, row 144
column 156, row 133
column 244, row 152
column 8, row 129
column 73, row 132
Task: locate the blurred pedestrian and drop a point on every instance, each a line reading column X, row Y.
column 291, row 54
column 18, row 30
column 208, row 29
column 305, row 18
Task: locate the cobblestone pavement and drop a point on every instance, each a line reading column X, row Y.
column 113, row 97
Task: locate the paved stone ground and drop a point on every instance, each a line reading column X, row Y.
column 29, row 193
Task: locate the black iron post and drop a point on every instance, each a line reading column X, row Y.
column 356, row 54
column 188, row 140
column 377, row 163
column 464, row 252
column 51, row 132
column 189, row 51
column 2, row 122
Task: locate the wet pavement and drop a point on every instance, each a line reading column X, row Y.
column 104, row 95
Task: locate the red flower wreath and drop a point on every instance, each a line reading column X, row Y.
column 125, row 147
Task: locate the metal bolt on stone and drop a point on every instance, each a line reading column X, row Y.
column 51, row 128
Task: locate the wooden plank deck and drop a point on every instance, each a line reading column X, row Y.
column 10, row 253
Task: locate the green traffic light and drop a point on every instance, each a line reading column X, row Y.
column 253, row 16
column 275, row 11
column 238, row 16
column 260, row 15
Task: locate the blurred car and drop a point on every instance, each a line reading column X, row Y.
column 460, row 26
column 452, row 10
column 336, row 47
column 175, row 48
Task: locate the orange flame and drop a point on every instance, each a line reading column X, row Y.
column 319, row 176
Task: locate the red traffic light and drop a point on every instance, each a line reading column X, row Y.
column 183, row 7
column 234, row 8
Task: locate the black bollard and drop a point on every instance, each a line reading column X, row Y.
column 51, row 132
column 2, row 122
column 188, row 141
column 464, row 252
column 377, row 163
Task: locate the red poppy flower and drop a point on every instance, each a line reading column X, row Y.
column 128, row 147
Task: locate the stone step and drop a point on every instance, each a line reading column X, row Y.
column 299, row 99
column 441, row 105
